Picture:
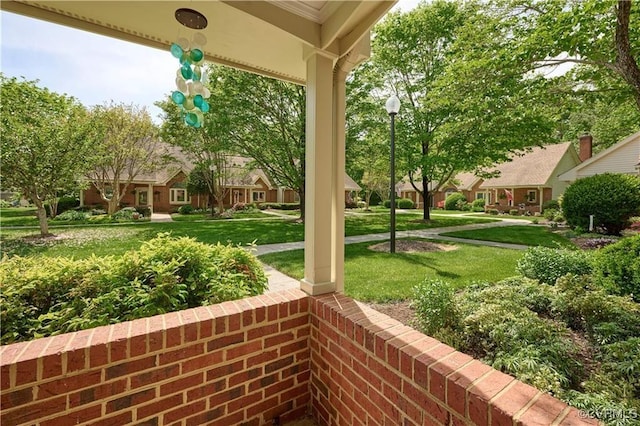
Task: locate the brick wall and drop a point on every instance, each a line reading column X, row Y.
column 248, row 362
column 368, row 369
column 244, row 361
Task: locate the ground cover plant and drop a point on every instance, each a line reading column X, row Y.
column 42, row 298
column 526, row 235
column 383, row 277
column 559, row 329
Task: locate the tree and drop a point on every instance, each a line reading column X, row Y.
column 465, row 105
column 603, row 36
column 44, row 143
column 266, row 123
column 125, row 145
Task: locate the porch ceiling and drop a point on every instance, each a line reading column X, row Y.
column 266, row 37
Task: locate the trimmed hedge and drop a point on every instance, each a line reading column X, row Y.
column 166, row 274
column 279, row 206
column 401, row 203
column 616, row 267
column 611, row 198
column 455, row 201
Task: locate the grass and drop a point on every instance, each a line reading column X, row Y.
column 18, row 216
column 383, row 277
column 195, row 217
column 527, row 235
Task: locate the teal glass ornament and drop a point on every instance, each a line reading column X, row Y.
column 196, row 55
column 178, row 97
column 197, row 73
column 204, row 107
column 191, row 119
column 185, row 59
column 198, row 100
column 186, row 72
column 176, row 51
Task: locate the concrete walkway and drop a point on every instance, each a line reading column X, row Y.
column 279, row 281
column 161, row 217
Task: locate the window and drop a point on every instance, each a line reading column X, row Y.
column 480, row 195
column 531, row 196
column 179, row 196
column 143, row 198
column 257, row 196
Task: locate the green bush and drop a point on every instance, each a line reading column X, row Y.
column 279, row 206
column 71, row 216
column 479, row 202
column 166, row 274
column 144, row 211
column 455, row 201
column 611, row 198
column 547, row 265
column 514, row 212
column 493, row 211
column 434, row 305
column 551, row 204
column 186, row 209
column 401, row 203
column 616, row 267
column 550, row 214
column 125, row 213
column 4, row 204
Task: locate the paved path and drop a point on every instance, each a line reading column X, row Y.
column 161, row 217
column 279, row 281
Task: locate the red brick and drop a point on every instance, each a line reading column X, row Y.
column 118, row 341
column 206, row 417
column 458, row 382
column 389, row 376
column 544, row 411
column 224, row 341
column 243, row 350
column 16, row 398
column 262, row 357
column 278, row 364
column 130, row 367
column 27, row 370
column 97, row 393
column 262, row 406
column 120, row 419
column 244, row 376
column 259, row 332
column 294, row 323
column 504, row 408
column 5, row 377
column 381, row 402
column 76, row 417
column 232, row 419
column 410, row 351
column 278, row 339
column 439, row 371
column 224, row 370
column 173, row 330
column 367, row 375
column 481, row 393
column 182, row 384
column 189, row 324
column 51, row 366
column 68, row 384
column 206, row 390
column 187, row 352
column 575, row 418
column 77, row 351
column 203, row 361
column 184, row 411
column 159, row 406
column 154, row 376
column 245, row 401
column 130, row 400
column 31, row 412
column 138, row 345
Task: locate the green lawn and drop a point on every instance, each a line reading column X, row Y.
column 527, row 235
column 18, row 216
column 383, row 277
column 195, row 217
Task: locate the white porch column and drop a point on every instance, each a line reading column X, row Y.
column 320, row 206
column 338, row 197
column 150, row 197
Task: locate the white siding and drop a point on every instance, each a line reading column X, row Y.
column 567, row 162
column 621, row 160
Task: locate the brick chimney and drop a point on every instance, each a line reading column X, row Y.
column 586, row 145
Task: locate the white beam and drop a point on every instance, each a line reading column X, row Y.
column 337, row 22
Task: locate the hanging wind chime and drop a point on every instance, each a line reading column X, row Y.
column 191, row 79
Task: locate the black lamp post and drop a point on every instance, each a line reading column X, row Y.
column 393, row 106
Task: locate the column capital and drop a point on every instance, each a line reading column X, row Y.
column 308, row 52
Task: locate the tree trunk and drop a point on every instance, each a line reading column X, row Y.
column 302, row 203
column 212, row 205
column 220, row 205
column 112, row 205
column 53, row 204
column 625, row 62
column 42, row 218
column 426, row 198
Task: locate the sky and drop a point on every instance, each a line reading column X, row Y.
column 93, row 69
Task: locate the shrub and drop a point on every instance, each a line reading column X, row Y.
column 125, row 213
column 165, row 274
column 401, row 203
column 435, row 306
column 551, row 204
column 617, row 267
column 479, row 202
column 547, row 265
column 71, row 215
column 279, row 206
column 454, row 201
column 4, row 204
column 186, row 209
column 550, row 213
column 493, row 211
column 611, row 198
column 144, row 211
column 514, row 212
